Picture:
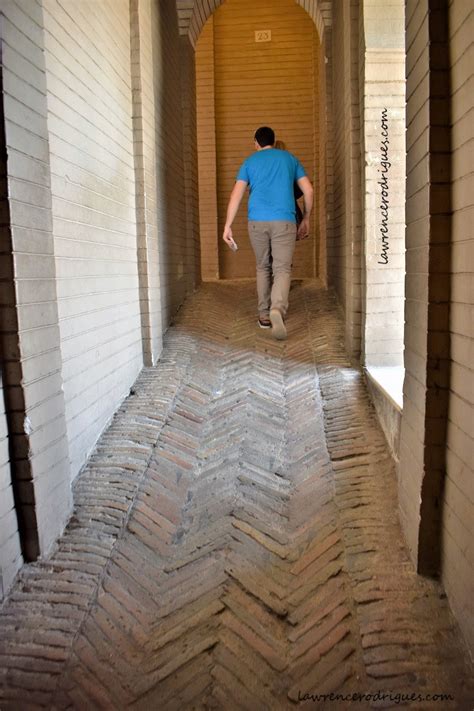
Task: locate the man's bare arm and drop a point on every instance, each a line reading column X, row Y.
column 235, row 199
column 307, row 189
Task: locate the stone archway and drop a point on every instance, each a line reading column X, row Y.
column 192, row 16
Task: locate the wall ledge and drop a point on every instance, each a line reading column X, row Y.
column 385, row 386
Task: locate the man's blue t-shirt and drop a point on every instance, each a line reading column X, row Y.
column 271, row 174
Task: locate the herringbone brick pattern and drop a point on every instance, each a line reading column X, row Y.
column 235, row 542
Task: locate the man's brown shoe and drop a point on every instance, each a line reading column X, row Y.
column 279, row 329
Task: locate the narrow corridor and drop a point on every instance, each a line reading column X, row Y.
column 235, row 541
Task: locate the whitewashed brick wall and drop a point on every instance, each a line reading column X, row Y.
column 144, row 111
column 175, row 278
column 458, row 511
column 354, row 206
column 163, row 65
column 190, row 164
column 344, row 210
column 435, row 475
column 30, row 334
column 87, row 47
column 207, row 158
column 383, row 90
column 417, row 238
column 67, row 74
column 10, row 551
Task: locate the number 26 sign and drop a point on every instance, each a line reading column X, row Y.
column 263, row 35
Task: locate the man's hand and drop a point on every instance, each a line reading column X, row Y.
column 307, row 190
column 303, row 229
column 227, row 235
column 234, row 202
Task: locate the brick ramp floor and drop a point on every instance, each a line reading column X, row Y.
column 235, row 542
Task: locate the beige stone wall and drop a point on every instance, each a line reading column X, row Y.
column 272, row 83
column 457, row 564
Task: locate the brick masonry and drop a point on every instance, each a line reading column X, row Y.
column 457, row 538
column 62, row 214
column 30, row 334
column 89, row 97
column 11, row 557
column 344, row 243
column 193, row 15
column 100, row 253
column 234, row 541
column 436, row 483
column 207, row 159
column 382, row 87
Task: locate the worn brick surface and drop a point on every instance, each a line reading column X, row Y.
column 235, row 541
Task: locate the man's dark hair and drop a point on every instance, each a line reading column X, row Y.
column 265, row 136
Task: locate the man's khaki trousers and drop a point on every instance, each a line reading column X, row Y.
column 273, row 244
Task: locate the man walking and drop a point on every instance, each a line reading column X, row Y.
column 270, row 174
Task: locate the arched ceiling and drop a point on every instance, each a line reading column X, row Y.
column 192, row 15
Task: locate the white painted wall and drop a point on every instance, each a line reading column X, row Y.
column 87, row 47
column 10, row 553
column 458, row 511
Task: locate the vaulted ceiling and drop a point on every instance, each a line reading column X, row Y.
column 193, row 14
